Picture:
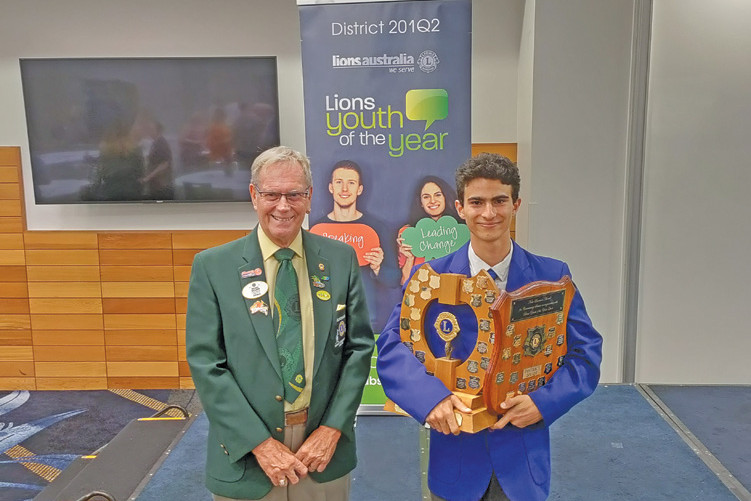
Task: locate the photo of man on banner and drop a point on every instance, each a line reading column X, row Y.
column 362, row 231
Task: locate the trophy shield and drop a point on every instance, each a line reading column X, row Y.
column 530, row 339
column 464, row 377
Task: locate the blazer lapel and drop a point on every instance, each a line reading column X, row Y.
column 519, row 273
column 318, row 268
column 460, row 261
column 259, row 308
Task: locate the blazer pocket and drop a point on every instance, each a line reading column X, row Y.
column 219, row 466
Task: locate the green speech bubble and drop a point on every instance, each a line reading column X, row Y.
column 427, row 104
column 431, row 239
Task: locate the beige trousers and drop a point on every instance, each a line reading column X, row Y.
column 306, row 489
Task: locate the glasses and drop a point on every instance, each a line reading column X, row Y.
column 293, row 197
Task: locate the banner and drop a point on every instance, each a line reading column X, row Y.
column 387, row 120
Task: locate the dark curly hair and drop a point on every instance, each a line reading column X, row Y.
column 488, row 166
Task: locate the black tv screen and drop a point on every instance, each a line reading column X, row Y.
column 148, row 130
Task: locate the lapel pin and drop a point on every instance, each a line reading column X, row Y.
column 259, row 307
column 255, row 289
column 251, row 273
column 323, row 295
column 321, row 267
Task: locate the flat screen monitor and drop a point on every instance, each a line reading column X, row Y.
column 148, row 129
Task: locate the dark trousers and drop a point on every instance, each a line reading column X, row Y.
column 494, row 493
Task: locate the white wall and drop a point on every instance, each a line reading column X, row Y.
column 695, row 274
column 142, row 28
column 573, row 149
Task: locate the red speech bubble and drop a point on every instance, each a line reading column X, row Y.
column 360, row 236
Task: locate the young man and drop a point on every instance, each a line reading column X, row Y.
column 380, row 274
column 510, row 460
column 279, row 346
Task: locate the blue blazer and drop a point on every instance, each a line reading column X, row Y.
column 461, row 466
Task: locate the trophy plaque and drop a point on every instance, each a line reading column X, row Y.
column 530, row 339
column 464, row 378
column 521, row 338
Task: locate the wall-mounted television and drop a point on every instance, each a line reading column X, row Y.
column 148, row 129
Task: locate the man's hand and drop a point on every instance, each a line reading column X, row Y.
column 278, row 462
column 521, row 411
column 374, row 257
column 442, row 418
column 318, row 448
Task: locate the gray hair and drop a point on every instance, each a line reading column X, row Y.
column 280, row 154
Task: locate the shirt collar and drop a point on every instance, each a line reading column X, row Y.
column 501, row 269
column 268, row 248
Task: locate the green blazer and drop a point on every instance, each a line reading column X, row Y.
column 235, row 365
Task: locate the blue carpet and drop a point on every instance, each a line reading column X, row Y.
column 388, row 463
column 53, row 428
column 720, row 417
column 614, row 445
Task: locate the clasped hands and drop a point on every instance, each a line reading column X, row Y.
column 281, row 465
column 521, row 412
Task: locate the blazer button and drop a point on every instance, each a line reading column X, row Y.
column 225, row 451
column 279, row 430
column 279, row 398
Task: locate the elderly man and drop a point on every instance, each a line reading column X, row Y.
column 279, row 346
column 510, row 460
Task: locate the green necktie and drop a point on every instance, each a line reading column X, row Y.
column 288, row 325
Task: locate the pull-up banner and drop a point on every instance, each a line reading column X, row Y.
column 387, row 121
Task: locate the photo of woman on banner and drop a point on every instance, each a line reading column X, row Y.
column 434, row 198
column 364, row 232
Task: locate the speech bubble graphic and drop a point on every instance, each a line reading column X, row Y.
column 427, row 104
column 431, row 239
column 360, row 236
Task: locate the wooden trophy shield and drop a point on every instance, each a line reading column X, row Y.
column 464, row 378
column 530, row 339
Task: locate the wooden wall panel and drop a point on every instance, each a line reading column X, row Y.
column 16, row 353
column 9, row 191
column 12, row 257
column 64, row 289
column 71, row 383
column 138, row 305
column 63, row 274
column 11, row 208
column 17, row 369
column 11, row 289
column 149, row 257
column 66, row 322
column 145, row 383
column 14, row 306
column 46, row 240
column 62, row 257
column 13, row 274
column 141, row 337
column 65, row 305
column 11, row 241
column 78, row 337
column 138, row 289
column 70, row 369
column 16, row 337
column 133, row 240
column 137, row 274
column 11, row 224
column 69, row 353
column 18, row 383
